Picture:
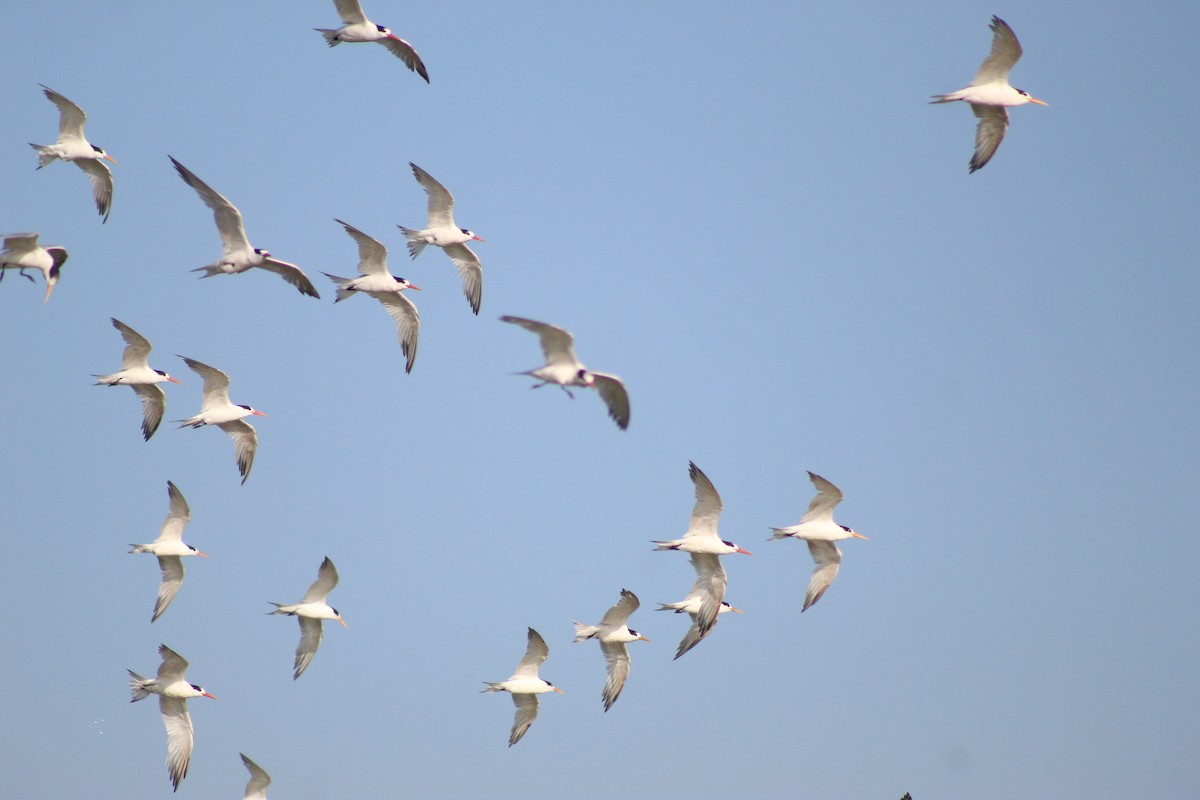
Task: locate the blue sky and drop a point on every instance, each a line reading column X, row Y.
column 752, row 216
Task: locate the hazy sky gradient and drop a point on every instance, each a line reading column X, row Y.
column 749, row 213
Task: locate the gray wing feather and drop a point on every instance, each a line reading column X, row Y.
column 527, row 709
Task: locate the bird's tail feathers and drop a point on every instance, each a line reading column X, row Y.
column 208, row 271
column 671, row 545
column 283, row 608
column 137, row 686
column 492, row 687
column 947, row 98
column 584, row 632
column 44, row 157
column 330, row 36
column 415, row 243
column 676, row 607
column 342, row 293
column 781, row 533
column 139, row 548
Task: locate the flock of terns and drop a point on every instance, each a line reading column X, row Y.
column 989, row 94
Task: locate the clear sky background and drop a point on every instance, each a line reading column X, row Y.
column 751, row 214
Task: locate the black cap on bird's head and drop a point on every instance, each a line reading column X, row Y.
column 103, row 154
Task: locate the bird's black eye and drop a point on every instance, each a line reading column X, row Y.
column 381, row 29
column 248, row 408
column 98, row 150
column 582, row 373
column 1022, row 92
column 260, row 251
column 191, row 548
column 464, row 230
column 728, row 544
column 335, row 612
column 160, row 372
column 843, row 527
column 194, row 686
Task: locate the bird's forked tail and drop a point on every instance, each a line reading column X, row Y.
column 415, row 243
column 137, row 686
column 584, row 632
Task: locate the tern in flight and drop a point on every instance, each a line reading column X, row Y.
column 73, row 146
column 525, row 686
column 217, row 410
column 173, row 692
column 613, row 633
column 236, row 253
column 440, row 231
column 357, row 28
column 311, row 609
column 563, row 368
column 21, row 252
column 701, row 538
column 989, row 93
column 820, row 531
column 169, row 547
column 375, row 280
column 709, row 588
column 136, row 373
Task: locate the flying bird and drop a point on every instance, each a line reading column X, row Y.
column 701, row 538
column 375, row 280
column 236, row 253
column 613, row 633
column 136, row 373
column 440, row 231
column 21, row 252
column 216, row 409
column 357, row 28
column 169, row 548
column 820, row 531
column 311, row 609
column 256, row 787
column 989, row 93
column 73, row 146
column 525, row 686
column 709, row 588
column 173, row 692
column 563, row 368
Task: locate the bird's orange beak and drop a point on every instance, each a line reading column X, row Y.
column 745, row 552
column 172, row 380
column 258, row 413
column 206, row 694
column 109, row 158
column 202, row 555
column 560, row 691
column 643, row 638
column 859, row 536
column 414, row 286
column 478, row 238
column 344, row 625
column 1039, row 102
column 738, row 610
